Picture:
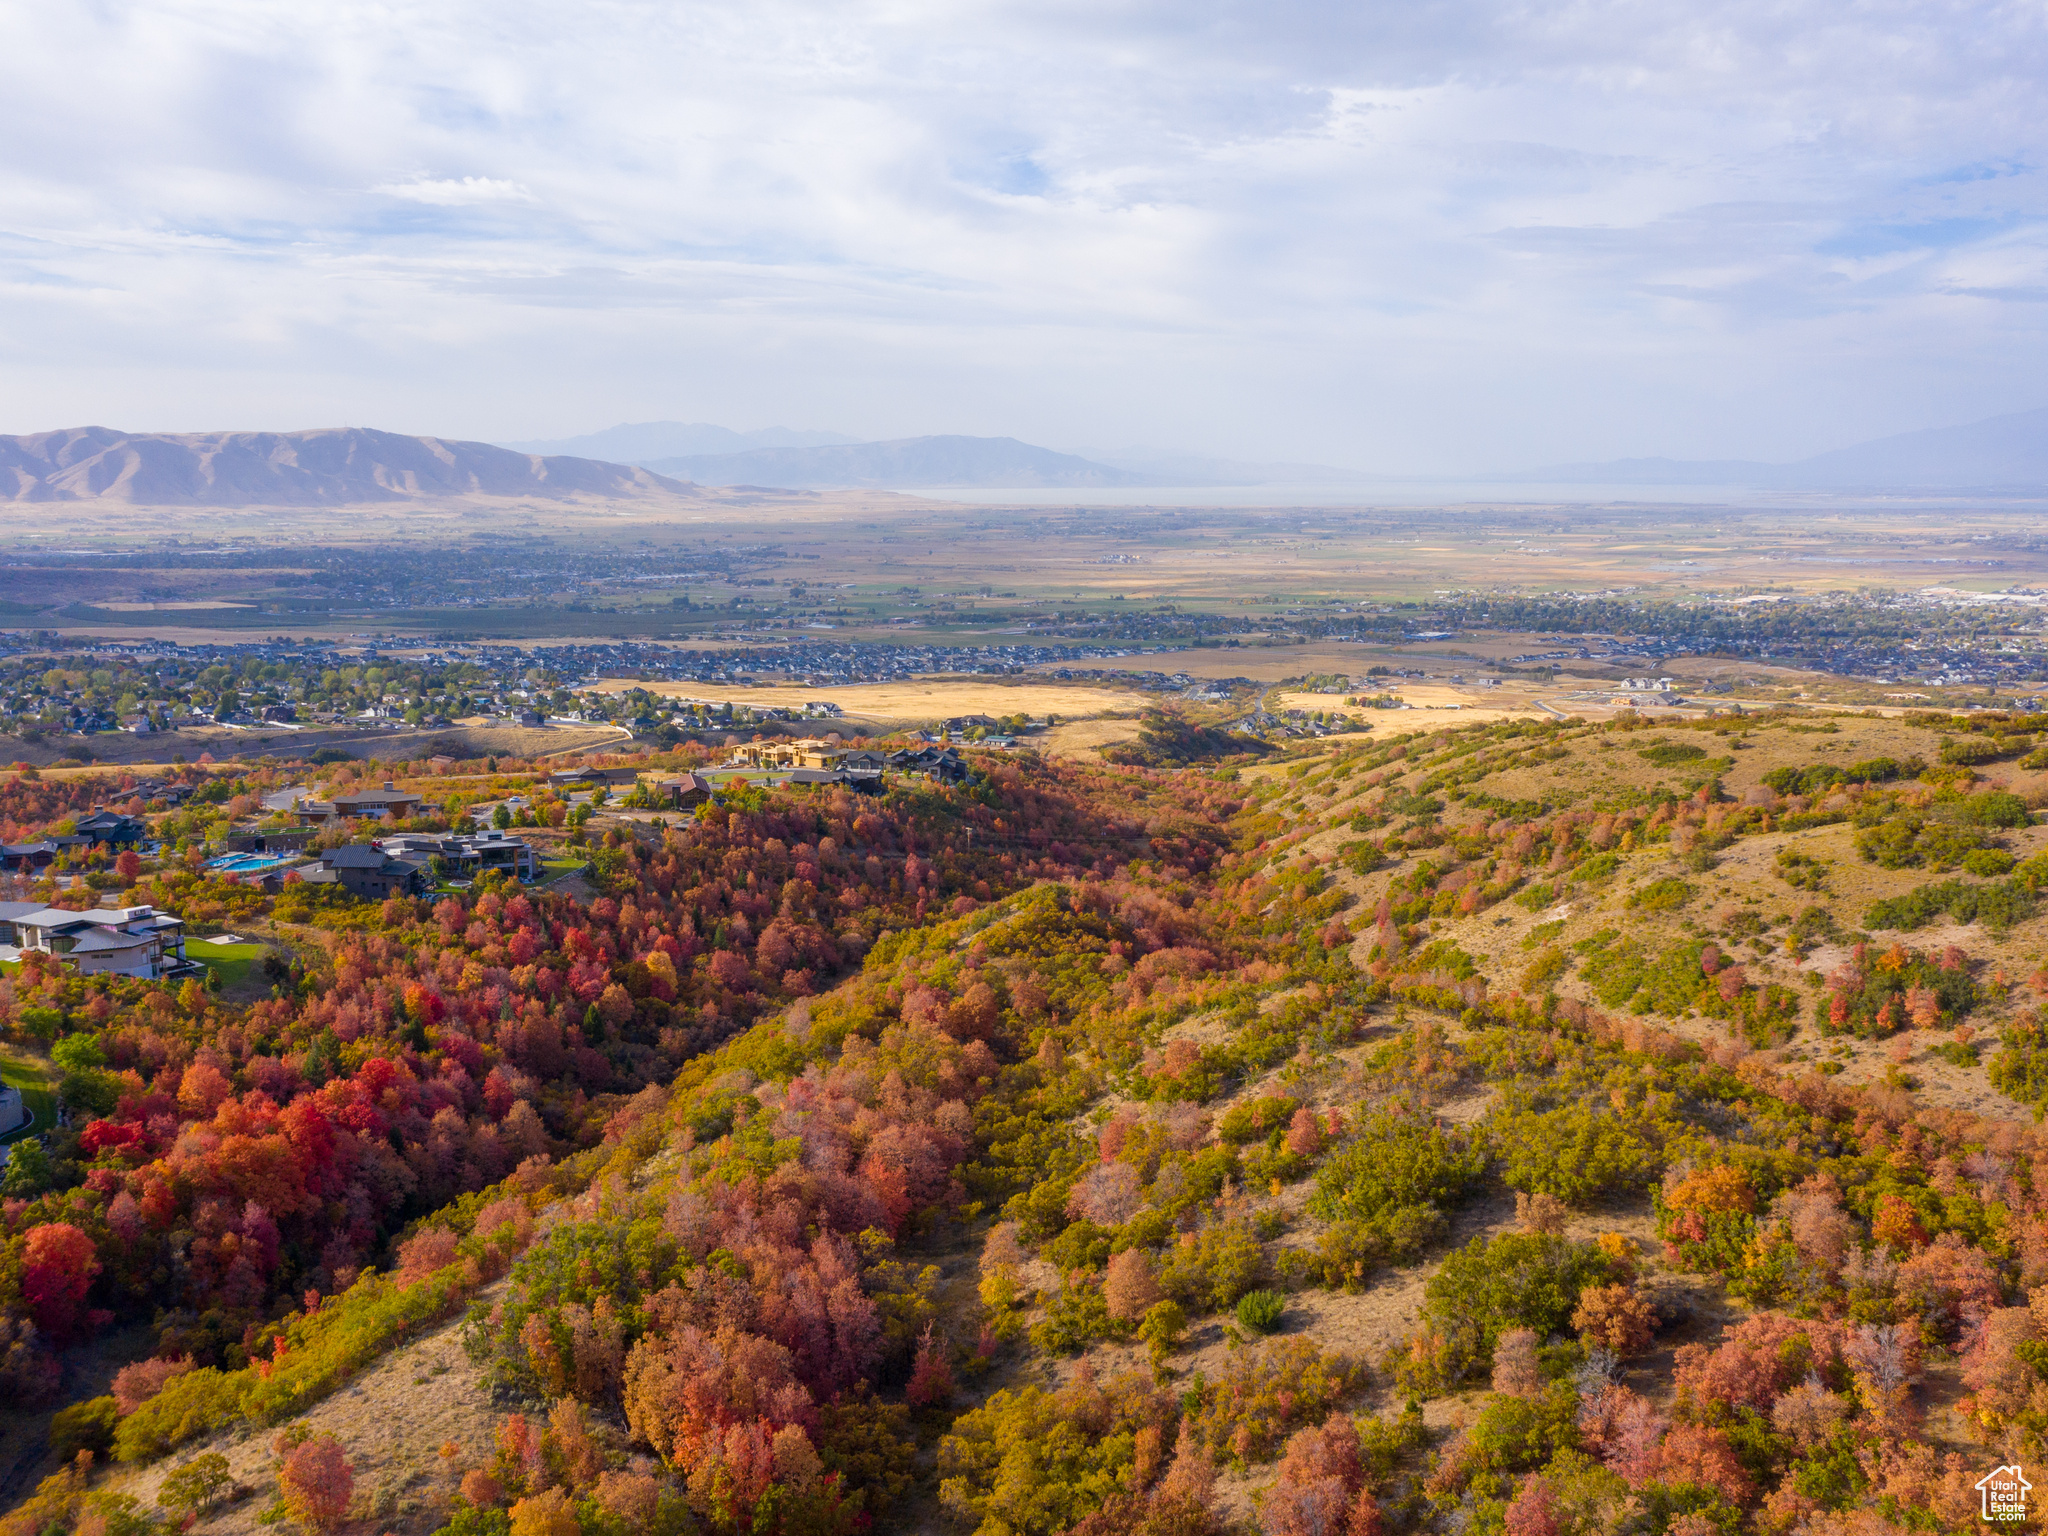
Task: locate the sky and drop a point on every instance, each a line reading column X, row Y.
column 1423, row 237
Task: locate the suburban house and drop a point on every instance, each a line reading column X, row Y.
column 9, row 911
column 468, row 857
column 941, row 763
column 110, row 827
column 364, row 869
column 24, row 857
column 387, row 802
column 294, row 840
column 809, row 752
column 122, row 941
column 683, row 791
column 607, row 776
column 860, row 782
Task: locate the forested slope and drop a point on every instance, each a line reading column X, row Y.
column 1540, row 1128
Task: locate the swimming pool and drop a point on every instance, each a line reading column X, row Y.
column 242, row 863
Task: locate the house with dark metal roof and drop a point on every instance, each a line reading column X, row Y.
column 22, row 857
column 941, row 763
column 364, row 869
column 110, row 827
column 468, row 857
column 563, row 776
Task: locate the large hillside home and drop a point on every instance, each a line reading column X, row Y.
column 120, row 941
column 111, row 828
column 606, row 776
column 387, row 803
column 364, row 869
column 467, row 857
column 809, row 752
column 682, row 791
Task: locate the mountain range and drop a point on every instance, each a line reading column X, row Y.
column 351, row 465
column 335, row 466
column 2001, row 453
column 904, row 463
column 721, row 456
column 643, row 442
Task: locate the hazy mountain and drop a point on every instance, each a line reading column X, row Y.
column 910, row 462
column 328, row 467
column 2001, row 453
column 643, row 442
column 1162, row 467
column 1657, row 471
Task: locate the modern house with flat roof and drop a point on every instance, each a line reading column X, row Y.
column 565, row 776
column 121, row 941
column 468, row 857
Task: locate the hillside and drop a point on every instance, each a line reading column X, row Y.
column 1526, row 1127
column 332, row 467
column 904, row 463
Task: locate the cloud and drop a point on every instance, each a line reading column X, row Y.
column 1436, row 236
column 462, row 192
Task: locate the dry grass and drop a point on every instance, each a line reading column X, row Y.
column 391, row 1421
column 922, row 699
column 1083, row 737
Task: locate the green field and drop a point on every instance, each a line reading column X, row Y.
column 36, row 1080
column 237, row 965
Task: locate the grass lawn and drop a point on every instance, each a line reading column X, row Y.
column 239, row 966
column 37, row 1081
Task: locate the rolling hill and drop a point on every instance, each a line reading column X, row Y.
column 325, row 467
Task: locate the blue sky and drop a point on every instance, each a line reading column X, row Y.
column 1418, row 237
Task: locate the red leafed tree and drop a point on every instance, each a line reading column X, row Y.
column 1304, row 1133
column 1534, row 1511
column 61, row 1264
column 317, row 1483
column 931, row 1379
column 1317, row 1492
